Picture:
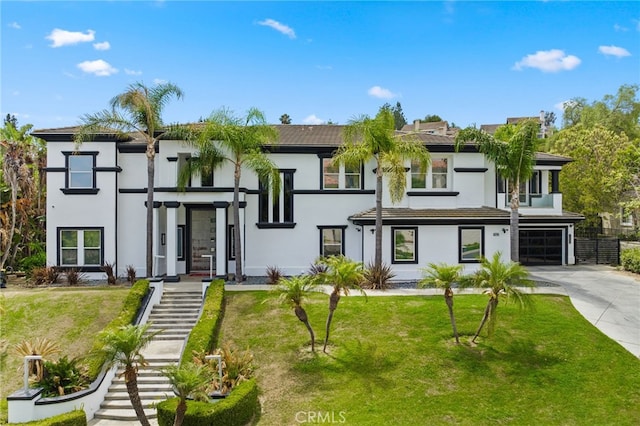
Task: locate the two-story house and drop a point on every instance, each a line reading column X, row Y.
column 454, row 212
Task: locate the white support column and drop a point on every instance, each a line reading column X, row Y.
column 171, row 252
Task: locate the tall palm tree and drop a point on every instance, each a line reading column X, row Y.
column 225, row 137
column 293, row 291
column 124, row 347
column 513, row 150
column 188, row 381
column 137, row 110
column 343, row 274
column 367, row 139
column 499, row 278
column 443, row 276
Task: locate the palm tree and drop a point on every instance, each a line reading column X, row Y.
column 188, row 381
column 513, row 150
column 293, row 291
column 137, row 110
column 225, row 137
column 367, row 139
column 344, row 275
column 124, row 347
column 500, row 278
column 443, row 276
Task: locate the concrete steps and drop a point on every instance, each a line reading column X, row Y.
column 172, row 319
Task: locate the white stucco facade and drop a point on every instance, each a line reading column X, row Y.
column 458, row 214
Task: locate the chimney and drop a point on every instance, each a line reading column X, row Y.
column 416, row 125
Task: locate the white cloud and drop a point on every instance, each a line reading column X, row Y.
column 620, row 52
column 618, row 27
column 98, row 67
column 14, row 25
column 281, row 28
column 132, row 72
column 105, row 45
column 380, row 92
column 65, row 38
column 553, row 60
column 312, row 119
column 159, row 81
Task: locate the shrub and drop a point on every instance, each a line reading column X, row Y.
column 45, row 276
column 39, row 346
column 378, row 277
column 317, row 268
column 237, row 409
column 107, row 268
column 273, row 274
column 74, row 277
column 62, row 377
column 630, row 260
column 72, row 418
column 131, row 274
column 204, row 335
column 237, row 367
column 36, row 260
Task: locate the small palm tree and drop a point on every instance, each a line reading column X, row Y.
column 124, row 347
column 188, row 381
column 293, row 291
column 500, row 278
column 344, row 275
column 443, row 276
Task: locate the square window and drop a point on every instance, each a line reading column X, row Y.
column 405, row 245
column 331, row 241
column 471, row 242
column 80, row 247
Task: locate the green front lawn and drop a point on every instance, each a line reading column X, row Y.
column 392, row 361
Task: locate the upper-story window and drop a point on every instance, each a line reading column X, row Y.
column 435, row 176
column 278, row 212
column 336, row 176
column 80, row 173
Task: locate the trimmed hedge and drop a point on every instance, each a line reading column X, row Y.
column 127, row 315
column 630, row 260
column 72, row 418
column 237, row 409
column 204, row 335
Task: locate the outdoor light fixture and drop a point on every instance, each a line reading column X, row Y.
column 217, row 394
column 504, row 230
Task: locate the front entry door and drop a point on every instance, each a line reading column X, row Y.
column 203, row 240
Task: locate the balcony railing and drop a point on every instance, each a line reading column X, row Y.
column 531, row 200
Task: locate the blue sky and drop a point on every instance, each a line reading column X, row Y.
column 470, row 62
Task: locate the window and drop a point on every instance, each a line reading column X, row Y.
column 280, row 210
column 81, row 172
column 80, row 247
column 471, row 243
column 331, row 240
column 438, row 171
column 405, row 245
column 340, row 176
column 231, row 242
column 180, row 242
column 626, row 217
column 206, row 179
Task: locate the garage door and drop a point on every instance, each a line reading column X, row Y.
column 541, row 246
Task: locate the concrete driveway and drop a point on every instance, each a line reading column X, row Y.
column 608, row 298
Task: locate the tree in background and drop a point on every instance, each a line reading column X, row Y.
column 398, row 115
column 22, row 231
column 431, row 118
column 513, row 151
column 285, row 119
column 367, row 139
column 138, row 109
column 225, row 137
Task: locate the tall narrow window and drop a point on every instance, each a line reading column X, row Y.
column 418, row 175
column 330, row 174
column 277, row 209
column 471, row 242
column 231, row 242
column 439, row 172
column 405, row 245
column 180, row 242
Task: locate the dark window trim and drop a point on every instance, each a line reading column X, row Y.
column 341, row 227
column 334, row 191
column 266, row 204
column 393, row 245
column 67, row 155
column 79, row 191
column 433, row 193
column 460, row 231
column 276, row 225
column 85, row 268
column 470, row 169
